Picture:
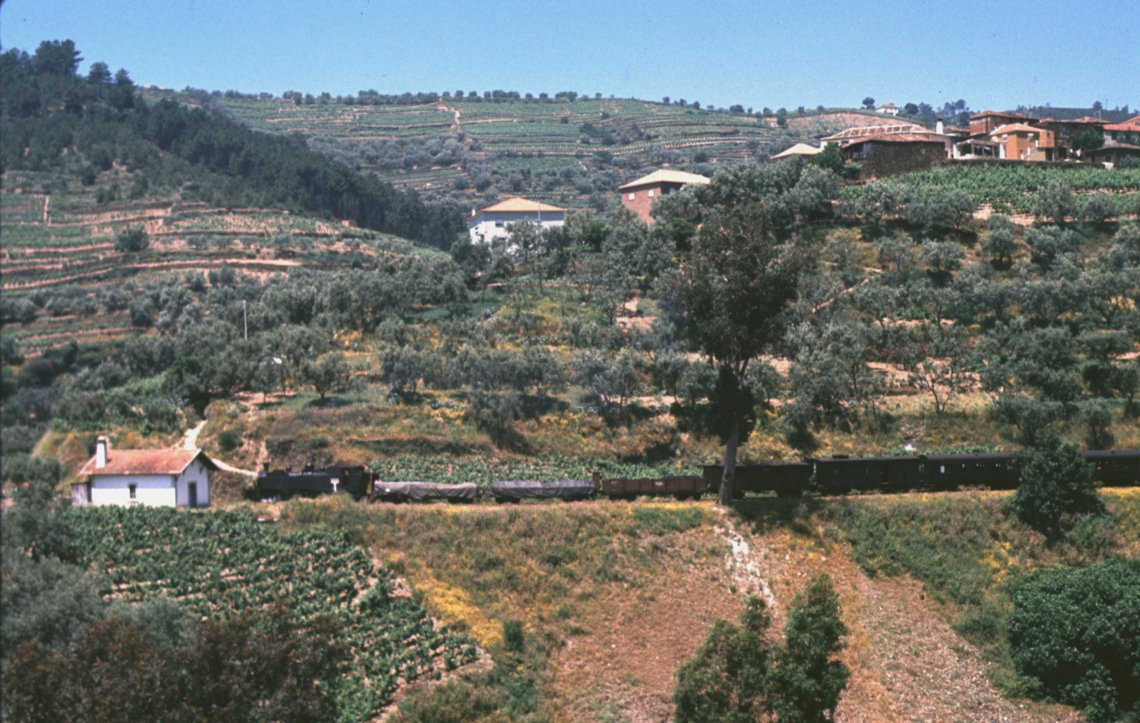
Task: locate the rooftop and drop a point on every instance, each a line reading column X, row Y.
column 875, row 131
column 896, row 138
column 146, row 461
column 1088, row 119
column 666, row 175
column 799, row 149
column 1014, row 128
column 1001, row 114
column 1131, row 125
column 516, row 204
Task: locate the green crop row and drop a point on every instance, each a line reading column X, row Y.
column 483, row 472
column 221, row 563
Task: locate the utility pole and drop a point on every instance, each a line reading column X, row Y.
column 244, row 321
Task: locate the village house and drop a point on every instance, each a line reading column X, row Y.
column 888, row 109
column 888, row 149
column 1127, row 132
column 1065, row 130
column 638, row 196
column 988, row 121
column 150, row 477
column 492, row 222
column 1023, row 142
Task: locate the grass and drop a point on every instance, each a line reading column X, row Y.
column 519, row 580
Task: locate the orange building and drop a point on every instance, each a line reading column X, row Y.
column 1023, row 142
column 638, row 196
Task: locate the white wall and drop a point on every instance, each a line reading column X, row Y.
column 487, row 227
column 152, row 490
column 196, row 473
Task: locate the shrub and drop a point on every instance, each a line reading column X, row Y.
column 1055, row 487
column 131, row 240
column 228, row 441
column 726, row 679
column 738, row 674
column 1076, row 635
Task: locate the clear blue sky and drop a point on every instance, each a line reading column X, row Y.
column 761, row 53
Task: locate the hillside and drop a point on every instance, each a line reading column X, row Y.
column 613, row 597
column 569, row 153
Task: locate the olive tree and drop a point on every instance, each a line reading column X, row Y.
column 733, row 287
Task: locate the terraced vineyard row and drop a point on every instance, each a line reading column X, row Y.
column 452, row 470
column 221, row 563
column 1015, row 186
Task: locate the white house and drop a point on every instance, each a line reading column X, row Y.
column 491, row 223
column 152, row 477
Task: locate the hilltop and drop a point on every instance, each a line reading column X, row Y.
column 572, row 153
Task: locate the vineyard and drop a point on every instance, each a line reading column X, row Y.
column 1010, row 187
column 220, row 564
column 482, row 471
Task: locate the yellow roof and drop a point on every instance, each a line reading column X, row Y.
column 666, row 175
column 521, row 205
column 799, row 149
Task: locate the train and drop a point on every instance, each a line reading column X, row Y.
column 823, row 476
column 928, row 472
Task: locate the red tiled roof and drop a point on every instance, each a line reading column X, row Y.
column 999, row 114
column 146, row 461
column 897, row 138
column 1086, row 120
column 876, row 131
column 1130, row 125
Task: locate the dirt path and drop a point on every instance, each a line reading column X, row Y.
column 190, row 441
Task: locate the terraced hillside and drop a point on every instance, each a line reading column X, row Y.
column 569, row 153
column 61, row 262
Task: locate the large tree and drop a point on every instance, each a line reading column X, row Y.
column 734, row 285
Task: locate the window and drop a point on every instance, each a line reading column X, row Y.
column 498, row 224
column 632, row 195
column 134, row 492
column 650, row 193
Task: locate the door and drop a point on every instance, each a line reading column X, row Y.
column 192, row 493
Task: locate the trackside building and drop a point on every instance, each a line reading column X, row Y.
column 150, row 477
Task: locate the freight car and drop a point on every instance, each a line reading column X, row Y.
column 310, row 482
column 841, row 475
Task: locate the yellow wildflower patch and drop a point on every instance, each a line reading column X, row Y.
column 452, row 605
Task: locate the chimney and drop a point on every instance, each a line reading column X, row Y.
column 938, row 127
column 102, row 448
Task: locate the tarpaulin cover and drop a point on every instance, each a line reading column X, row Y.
column 400, row 491
column 527, row 489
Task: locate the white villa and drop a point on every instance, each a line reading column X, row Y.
column 491, row 223
column 152, row 477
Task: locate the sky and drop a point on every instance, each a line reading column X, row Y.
column 760, row 53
